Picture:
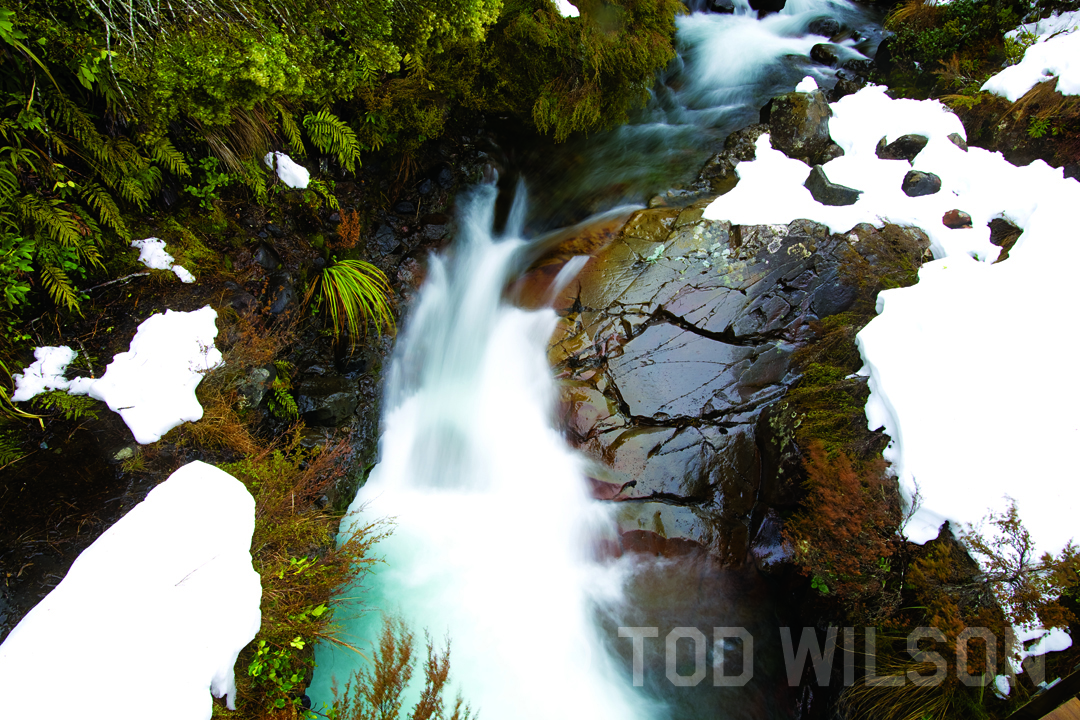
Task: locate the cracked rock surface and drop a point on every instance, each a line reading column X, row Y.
column 672, row 340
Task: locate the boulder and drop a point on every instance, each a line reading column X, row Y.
column 824, row 26
column 799, row 124
column 266, row 257
column 725, row 7
column 917, row 183
column 767, row 6
column 281, row 292
column 827, row 192
column 385, row 240
column 860, row 67
column 824, row 54
column 905, row 147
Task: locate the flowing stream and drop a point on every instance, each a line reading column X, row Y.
column 498, row 545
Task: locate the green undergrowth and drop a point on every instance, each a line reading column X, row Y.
column 303, row 570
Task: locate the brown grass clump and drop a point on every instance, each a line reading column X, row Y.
column 376, row 693
column 846, row 531
column 918, row 15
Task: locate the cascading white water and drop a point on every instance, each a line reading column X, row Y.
column 494, row 528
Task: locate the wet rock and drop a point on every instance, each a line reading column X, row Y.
column 1072, row 170
column 386, row 241
column 824, row 54
column 267, row 257
column 327, row 401
column 905, row 147
column 275, row 231
column 719, row 170
column 917, row 183
column 282, row 293
column 860, row 67
column 781, row 462
column 831, row 152
column 799, row 124
column 827, row 192
column 767, row 6
column 254, row 387
column 426, row 188
column 405, row 207
column 956, row 219
column 435, row 232
column 725, row 7
column 334, row 219
column 959, row 141
column 769, row 368
column 845, row 86
column 240, row 300
column 824, row 26
column 445, row 178
column 832, row 296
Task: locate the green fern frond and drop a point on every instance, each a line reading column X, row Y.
column 106, row 208
column 73, row 407
column 291, row 131
column 282, row 405
column 60, row 224
column 11, row 450
column 165, row 154
column 320, row 188
column 253, row 175
column 59, row 287
column 331, row 135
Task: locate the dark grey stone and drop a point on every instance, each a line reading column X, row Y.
column 405, row 207
column 327, row 401
column 858, row 66
column 267, row 257
column 917, row 183
column 386, row 240
column 445, row 177
column 799, row 123
column 905, row 147
column 281, row 291
column 725, row 7
column 824, row 26
column 426, row 188
column 824, row 54
column 959, row 141
column 827, row 192
column 275, row 231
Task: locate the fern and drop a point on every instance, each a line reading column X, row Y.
column 106, row 208
column 59, row 286
column 168, row 156
column 322, row 190
column 59, row 224
column 73, row 407
column 333, row 136
column 291, row 131
column 10, row 449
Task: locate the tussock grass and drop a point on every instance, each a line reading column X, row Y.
column 353, row 293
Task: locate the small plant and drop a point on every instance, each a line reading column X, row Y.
column 353, row 292
column 281, row 671
column 214, row 179
column 1039, row 126
column 280, row 401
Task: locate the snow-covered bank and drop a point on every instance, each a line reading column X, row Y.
column 1056, row 53
column 961, row 366
column 150, row 618
column 152, row 385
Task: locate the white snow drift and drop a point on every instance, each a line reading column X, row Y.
column 292, row 174
column 152, row 385
column 150, row 618
column 1056, row 53
column 964, row 367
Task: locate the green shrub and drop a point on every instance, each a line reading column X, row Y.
column 353, row 292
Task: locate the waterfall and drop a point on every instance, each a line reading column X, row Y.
column 496, row 537
column 495, row 533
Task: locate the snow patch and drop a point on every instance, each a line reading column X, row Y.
column 152, row 254
column 291, row 173
column 566, row 9
column 45, row 373
column 151, row 617
column 807, row 84
column 152, row 385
